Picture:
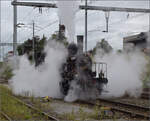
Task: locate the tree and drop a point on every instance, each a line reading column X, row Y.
column 60, row 37
column 104, row 46
column 27, row 47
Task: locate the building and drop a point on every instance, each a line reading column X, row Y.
column 9, row 56
column 139, row 41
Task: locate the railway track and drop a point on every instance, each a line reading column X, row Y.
column 3, row 82
column 128, row 110
column 5, row 116
column 49, row 117
column 146, row 93
column 132, row 110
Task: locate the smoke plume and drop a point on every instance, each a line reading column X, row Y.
column 124, row 73
column 42, row 80
column 66, row 12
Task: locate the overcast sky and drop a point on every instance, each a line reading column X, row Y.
column 47, row 22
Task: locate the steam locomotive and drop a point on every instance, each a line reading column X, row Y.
column 79, row 68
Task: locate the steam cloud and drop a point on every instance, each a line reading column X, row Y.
column 66, row 12
column 43, row 80
column 124, row 73
column 123, row 70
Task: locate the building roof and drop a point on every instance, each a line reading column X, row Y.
column 135, row 39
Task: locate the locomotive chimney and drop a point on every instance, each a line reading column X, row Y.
column 80, row 43
column 61, row 31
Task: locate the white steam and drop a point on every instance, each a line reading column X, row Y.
column 77, row 93
column 124, row 73
column 66, row 12
column 43, row 80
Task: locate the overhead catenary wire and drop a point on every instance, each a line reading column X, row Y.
column 51, row 23
column 89, row 31
column 36, row 17
column 78, row 19
column 27, row 15
column 43, row 28
column 117, row 22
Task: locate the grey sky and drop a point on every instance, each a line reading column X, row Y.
column 119, row 25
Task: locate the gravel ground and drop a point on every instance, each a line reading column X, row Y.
column 66, row 111
column 61, row 107
column 58, row 107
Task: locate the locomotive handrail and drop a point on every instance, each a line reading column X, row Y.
column 100, row 66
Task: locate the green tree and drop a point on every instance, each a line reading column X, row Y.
column 102, row 45
column 27, row 47
column 60, row 37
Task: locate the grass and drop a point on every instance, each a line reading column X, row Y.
column 14, row 109
column 2, row 118
column 36, row 102
column 7, row 74
column 70, row 116
column 6, row 71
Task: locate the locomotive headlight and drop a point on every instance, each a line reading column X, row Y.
column 76, row 76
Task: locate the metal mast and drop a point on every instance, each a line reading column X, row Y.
column 15, row 29
column 85, row 25
column 33, row 43
column 149, row 20
column 0, row 31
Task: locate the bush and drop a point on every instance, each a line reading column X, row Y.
column 7, row 73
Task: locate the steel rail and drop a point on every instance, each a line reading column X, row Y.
column 121, row 107
column 117, row 109
column 145, row 95
column 34, row 108
column 131, row 113
column 6, row 116
column 126, row 104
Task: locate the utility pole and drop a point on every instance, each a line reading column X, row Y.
column 0, row 30
column 85, row 25
column 33, row 43
column 82, row 7
column 15, row 30
column 149, row 20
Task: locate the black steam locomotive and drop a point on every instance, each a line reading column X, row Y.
column 80, row 69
